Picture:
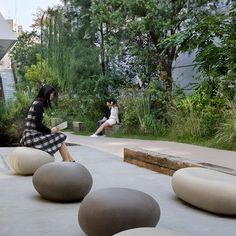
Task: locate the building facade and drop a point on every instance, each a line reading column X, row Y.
column 8, row 37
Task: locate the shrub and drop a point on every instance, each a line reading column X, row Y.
column 13, row 116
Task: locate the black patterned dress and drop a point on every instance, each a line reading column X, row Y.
column 36, row 134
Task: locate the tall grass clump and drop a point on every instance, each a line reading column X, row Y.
column 186, row 120
column 138, row 116
column 226, row 132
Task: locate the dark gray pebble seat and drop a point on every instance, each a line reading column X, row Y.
column 108, row 211
column 63, row 181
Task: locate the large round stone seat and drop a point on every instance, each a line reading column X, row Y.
column 148, row 231
column 62, row 181
column 108, row 211
column 26, row 160
column 207, row 189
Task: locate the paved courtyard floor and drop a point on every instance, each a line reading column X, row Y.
column 24, row 213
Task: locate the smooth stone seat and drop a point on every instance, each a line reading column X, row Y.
column 108, row 211
column 207, row 189
column 148, row 231
column 26, row 160
column 63, row 181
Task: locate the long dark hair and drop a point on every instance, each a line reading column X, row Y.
column 44, row 94
column 113, row 101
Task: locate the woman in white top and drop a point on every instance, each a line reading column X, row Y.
column 113, row 119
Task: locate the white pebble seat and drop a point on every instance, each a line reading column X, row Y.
column 207, row 189
column 25, row 160
column 148, row 231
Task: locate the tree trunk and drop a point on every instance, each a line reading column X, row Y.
column 102, row 50
column 166, row 77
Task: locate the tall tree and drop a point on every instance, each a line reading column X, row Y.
column 24, row 52
column 144, row 30
column 64, row 43
column 215, row 39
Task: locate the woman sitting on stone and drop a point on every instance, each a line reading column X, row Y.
column 36, row 134
column 113, row 119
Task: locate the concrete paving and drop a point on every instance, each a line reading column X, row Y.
column 24, row 213
column 115, row 146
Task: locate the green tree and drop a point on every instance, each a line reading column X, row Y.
column 39, row 74
column 24, row 52
column 68, row 44
column 215, row 40
column 144, row 32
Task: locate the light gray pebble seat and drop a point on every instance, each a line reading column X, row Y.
column 63, row 181
column 26, row 160
column 105, row 212
column 207, row 189
column 148, row 231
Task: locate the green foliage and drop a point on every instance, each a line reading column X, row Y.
column 215, row 41
column 145, row 32
column 13, row 116
column 68, row 108
column 186, row 121
column 142, row 107
column 56, row 46
column 199, row 114
column 24, row 52
column 78, row 108
column 159, row 100
column 86, row 60
column 137, row 116
column 129, row 117
column 91, row 49
column 68, row 44
column 151, row 125
column 40, row 74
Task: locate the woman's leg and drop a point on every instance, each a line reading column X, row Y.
column 65, row 153
column 100, row 129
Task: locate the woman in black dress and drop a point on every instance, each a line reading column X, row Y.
column 36, row 134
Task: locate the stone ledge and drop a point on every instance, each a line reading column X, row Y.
column 109, row 130
column 164, row 163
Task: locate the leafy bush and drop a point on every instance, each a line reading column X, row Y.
column 13, row 116
column 75, row 108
